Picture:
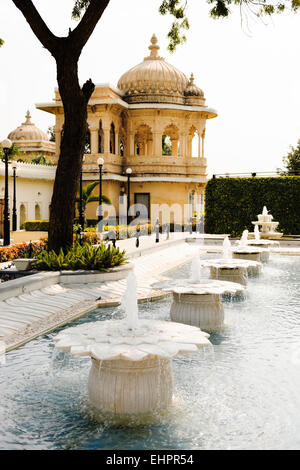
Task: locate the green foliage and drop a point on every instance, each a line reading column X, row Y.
column 219, row 9
column 78, row 257
column 51, row 133
column 292, row 161
column 36, row 225
column 13, row 152
column 233, row 203
column 1, row 42
column 166, row 145
column 87, row 196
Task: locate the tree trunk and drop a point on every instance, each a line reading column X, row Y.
column 75, row 101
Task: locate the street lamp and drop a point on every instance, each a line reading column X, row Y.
column 6, row 144
column 100, row 162
column 81, row 212
column 128, row 172
column 14, row 211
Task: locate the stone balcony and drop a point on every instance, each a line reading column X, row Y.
column 149, row 166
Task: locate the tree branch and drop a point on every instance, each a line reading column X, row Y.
column 80, row 35
column 37, row 24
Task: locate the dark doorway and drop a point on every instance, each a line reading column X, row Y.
column 143, row 201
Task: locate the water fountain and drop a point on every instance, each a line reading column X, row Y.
column 268, row 226
column 197, row 301
column 258, row 242
column 131, row 369
column 229, row 269
column 244, row 251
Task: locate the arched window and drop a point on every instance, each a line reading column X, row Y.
column 37, row 212
column 112, row 140
column 143, row 140
column 100, row 138
column 170, row 141
column 193, row 143
column 22, row 215
column 122, row 149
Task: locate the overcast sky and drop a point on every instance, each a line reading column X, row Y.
column 250, row 75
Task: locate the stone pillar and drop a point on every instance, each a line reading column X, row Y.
column 94, row 139
column 131, row 144
column 199, row 145
column 57, row 133
column 203, row 138
column 106, row 132
column 150, row 148
column 174, row 143
column 157, row 137
column 117, row 147
column 182, row 145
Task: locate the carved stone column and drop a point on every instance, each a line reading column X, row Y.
column 203, row 138
column 157, row 138
column 182, row 141
column 57, row 133
column 94, row 139
column 117, row 147
column 131, row 144
column 106, row 131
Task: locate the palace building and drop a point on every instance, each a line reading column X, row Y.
column 153, row 122
column 148, row 123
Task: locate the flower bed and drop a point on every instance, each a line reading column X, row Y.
column 20, row 250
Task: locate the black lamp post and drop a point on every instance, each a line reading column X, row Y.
column 14, row 211
column 128, row 172
column 6, row 144
column 100, row 162
column 81, row 212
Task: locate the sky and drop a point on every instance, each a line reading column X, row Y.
column 249, row 73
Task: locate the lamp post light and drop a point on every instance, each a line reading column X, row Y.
column 128, row 172
column 14, row 211
column 100, row 162
column 6, row 144
column 81, row 212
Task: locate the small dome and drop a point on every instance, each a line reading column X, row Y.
column 28, row 131
column 153, row 80
column 192, row 89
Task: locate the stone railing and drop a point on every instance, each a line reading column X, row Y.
column 167, row 165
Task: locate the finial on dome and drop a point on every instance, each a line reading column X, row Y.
column 28, row 121
column 192, row 78
column 154, row 48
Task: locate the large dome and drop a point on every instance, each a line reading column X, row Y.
column 153, row 80
column 28, row 131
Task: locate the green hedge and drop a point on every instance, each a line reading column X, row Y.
column 36, row 225
column 233, row 203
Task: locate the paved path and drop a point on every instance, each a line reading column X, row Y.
column 28, row 315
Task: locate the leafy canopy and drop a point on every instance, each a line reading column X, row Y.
column 219, row 9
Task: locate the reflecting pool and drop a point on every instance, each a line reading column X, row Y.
column 245, row 395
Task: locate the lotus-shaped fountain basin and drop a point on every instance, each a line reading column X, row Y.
column 112, row 340
column 199, row 303
column 131, row 371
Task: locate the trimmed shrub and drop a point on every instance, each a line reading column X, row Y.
column 21, row 250
column 233, row 203
column 36, row 225
column 79, row 257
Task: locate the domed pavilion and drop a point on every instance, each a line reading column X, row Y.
column 149, row 123
column 31, row 140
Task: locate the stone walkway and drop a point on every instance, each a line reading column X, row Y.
column 27, row 316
